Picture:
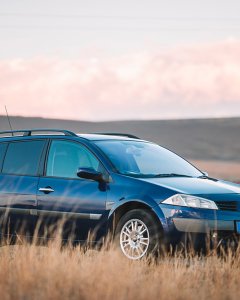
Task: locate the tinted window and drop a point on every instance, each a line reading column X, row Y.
column 3, row 148
column 22, row 158
column 65, row 158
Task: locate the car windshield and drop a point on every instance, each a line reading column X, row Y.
column 144, row 159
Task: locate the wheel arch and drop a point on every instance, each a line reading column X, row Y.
column 117, row 214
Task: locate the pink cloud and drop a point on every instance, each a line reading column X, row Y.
column 193, row 81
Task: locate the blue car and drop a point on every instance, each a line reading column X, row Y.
column 143, row 194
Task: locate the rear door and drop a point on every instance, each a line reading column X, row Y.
column 62, row 196
column 18, row 186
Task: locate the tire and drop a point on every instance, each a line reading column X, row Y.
column 137, row 234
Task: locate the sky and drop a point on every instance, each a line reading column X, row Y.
column 115, row 60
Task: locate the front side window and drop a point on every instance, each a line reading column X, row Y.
column 23, row 158
column 65, row 158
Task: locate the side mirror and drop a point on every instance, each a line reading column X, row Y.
column 89, row 173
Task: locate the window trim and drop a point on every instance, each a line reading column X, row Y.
column 43, row 157
column 23, row 141
column 4, row 155
column 75, row 142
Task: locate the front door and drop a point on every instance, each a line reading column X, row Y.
column 76, row 205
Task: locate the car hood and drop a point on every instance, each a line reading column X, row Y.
column 195, row 186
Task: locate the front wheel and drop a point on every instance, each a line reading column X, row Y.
column 137, row 234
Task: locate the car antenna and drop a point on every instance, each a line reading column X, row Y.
column 9, row 122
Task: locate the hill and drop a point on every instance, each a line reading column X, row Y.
column 195, row 139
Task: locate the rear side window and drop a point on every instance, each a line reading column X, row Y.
column 3, row 148
column 23, row 158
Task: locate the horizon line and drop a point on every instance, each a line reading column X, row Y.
column 125, row 120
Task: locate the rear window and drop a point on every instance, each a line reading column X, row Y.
column 3, row 148
column 23, row 158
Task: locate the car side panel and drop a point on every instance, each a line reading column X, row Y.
column 79, row 205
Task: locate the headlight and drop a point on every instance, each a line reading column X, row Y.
column 190, row 201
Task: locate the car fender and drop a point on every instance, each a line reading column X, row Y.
column 145, row 200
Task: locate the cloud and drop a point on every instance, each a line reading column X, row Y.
column 191, row 81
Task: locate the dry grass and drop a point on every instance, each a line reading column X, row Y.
column 33, row 272
column 30, row 272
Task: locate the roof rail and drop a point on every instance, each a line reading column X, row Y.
column 119, row 134
column 29, row 132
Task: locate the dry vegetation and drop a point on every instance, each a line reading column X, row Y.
column 51, row 272
column 30, row 272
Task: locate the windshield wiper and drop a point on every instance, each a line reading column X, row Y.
column 172, row 175
column 138, row 175
column 203, row 176
column 207, row 177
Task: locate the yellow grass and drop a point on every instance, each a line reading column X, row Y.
column 30, row 272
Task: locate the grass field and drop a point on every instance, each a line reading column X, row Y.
column 30, row 272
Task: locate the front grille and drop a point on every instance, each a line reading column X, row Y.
column 227, row 205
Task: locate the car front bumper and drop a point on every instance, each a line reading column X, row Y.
column 201, row 223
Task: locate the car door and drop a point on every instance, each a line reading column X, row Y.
column 75, row 204
column 18, row 186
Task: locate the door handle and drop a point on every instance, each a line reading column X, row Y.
column 46, row 190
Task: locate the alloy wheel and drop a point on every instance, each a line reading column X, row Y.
column 134, row 239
